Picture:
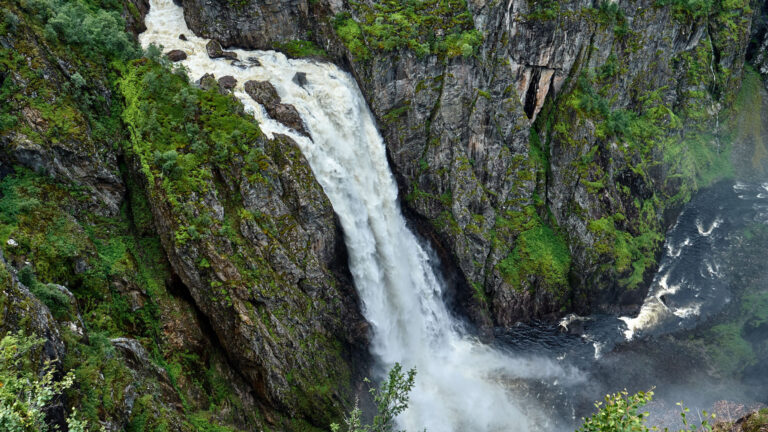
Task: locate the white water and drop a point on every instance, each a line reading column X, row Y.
column 459, row 382
column 653, row 310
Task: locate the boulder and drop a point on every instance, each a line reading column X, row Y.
column 227, row 82
column 287, row 115
column 265, row 94
column 176, row 55
column 207, row 82
column 300, row 78
column 262, row 92
column 215, row 51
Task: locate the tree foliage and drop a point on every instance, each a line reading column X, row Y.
column 620, row 412
column 24, row 393
column 391, row 400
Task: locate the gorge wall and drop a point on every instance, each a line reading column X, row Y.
column 544, row 146
column 191, row 271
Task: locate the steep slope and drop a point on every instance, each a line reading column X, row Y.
column 190, row 270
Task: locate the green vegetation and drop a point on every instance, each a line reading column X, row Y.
column 25, row 392
column 301, row 48
column 632, row 255
column 96, row 31
column 620, row 412
column 391, row 400
column 538, row 252
column 426, row 27
column 543, row 10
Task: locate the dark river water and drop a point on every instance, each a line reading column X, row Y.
column 713, row 270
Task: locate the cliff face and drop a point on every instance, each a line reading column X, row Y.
column 190, row 271
column 544, row 146
column 185, row 268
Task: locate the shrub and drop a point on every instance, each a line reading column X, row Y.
column 98, row 32
column 48, row 294
column 11, row 21
column 621, row 413
column 391, row 400
column 24, row 393
column 301, row 48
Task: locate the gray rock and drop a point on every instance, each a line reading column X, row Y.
column 207, row 82
column 262, row 92
column 300, row 78
column 176, row 55
column 227, row 82
column 265, row 94
column 214, row 50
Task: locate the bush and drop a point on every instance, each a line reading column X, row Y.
column 24, row 394
column 621, row 413
column 56, row 301
column 301, row 48
column 10, row 20
column 391, row 400
column 98, row 32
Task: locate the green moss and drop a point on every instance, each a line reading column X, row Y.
column 538, row 252
column 629, row 255
column 301, row 48
column 395, row 113
column 543, row 10
column 425, row 27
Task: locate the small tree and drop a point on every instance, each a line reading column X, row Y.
column 24, row 393
column 391, row 400
column 620, row 413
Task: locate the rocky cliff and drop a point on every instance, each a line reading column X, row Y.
column 543, row 146
column 186, row 269
column 191, row 272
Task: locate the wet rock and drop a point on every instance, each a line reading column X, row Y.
column 262, row 92
column 214, row 50
column 227, row 82
column 240, row 65
column 207, row 82
column 176, row 55
column 265, row 94
column 135, row 22
column 254, row 61
column 182, row 37
column 287, row 115
column 300, row 78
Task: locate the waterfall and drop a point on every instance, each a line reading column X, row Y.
column 459, row 382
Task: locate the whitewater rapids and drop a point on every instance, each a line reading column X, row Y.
column 460, row 381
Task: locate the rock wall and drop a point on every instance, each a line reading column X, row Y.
column 185, row 280
column 547, row 161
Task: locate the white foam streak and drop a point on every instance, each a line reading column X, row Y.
column 706, row 232
column 459, row 382
column 653, row 310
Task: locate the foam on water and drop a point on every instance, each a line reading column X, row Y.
column 706, row 232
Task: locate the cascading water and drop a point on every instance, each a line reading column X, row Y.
column 459, row 386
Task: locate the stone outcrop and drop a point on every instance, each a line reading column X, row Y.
column 176, row 55
column 213, row 47
column 265, row 94
column 227, row 82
